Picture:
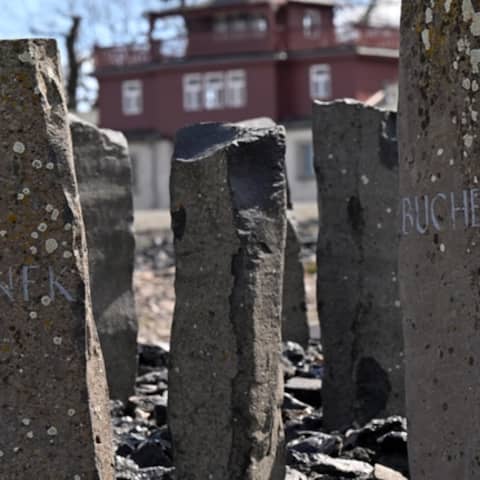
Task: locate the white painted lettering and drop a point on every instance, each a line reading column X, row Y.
column 433, row 215
column 422, row 229
column 55, row 284
column 406, row 214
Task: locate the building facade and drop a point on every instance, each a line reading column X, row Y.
column 237, row 60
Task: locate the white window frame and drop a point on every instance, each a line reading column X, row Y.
column 192, row 92
column 235, row 88
column 213, row 90
column 132, row 97
column 320, row 81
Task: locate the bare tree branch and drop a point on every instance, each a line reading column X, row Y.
column 73, row 62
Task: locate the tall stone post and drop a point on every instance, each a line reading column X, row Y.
column 228, row 218
column 54, row 402
column 294, row 306
column 104, row 178
column 439, row 268
column 356, row 163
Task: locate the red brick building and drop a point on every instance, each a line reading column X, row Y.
column 238, row 60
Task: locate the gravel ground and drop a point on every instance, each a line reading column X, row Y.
column 377, row 451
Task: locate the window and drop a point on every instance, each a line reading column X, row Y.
column 311, row 23
column 258, row 23
column 305, row 160
column 236, row 88
column 220, row 25
column 132, row 97
column 320, row 82
column 239, row 23
column 192, row 92
column 213, row 90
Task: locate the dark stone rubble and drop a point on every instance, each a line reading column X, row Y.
column 375, row 451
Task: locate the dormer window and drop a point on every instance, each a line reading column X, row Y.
column 311, row 23
column 239, row 24
column 220, row 25
column 258, row 23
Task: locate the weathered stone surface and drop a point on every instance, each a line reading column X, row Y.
column 439, row 262
column 228, row 217
column 103, row 172
column 358, row 300
column 54, row 412
column 336, row 467
column 294, row 306
column 294, row 311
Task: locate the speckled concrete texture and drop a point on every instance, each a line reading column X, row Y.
column 439, row 256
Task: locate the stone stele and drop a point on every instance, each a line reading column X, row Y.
column 294, row 305
column 294, row 308
column 54, row 399
column 104, row 179
column 228, row 200
column 356, row 161
column 439, row 248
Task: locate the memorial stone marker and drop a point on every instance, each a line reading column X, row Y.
column 55, row 419
column 104, row 179
column 439, row 256
column 228, row 218
column 294, row 312
column 294, row 308
column 358, row 300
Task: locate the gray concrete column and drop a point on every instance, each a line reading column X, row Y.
column 439, row 248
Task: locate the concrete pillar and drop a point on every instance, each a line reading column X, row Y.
column 54, row 401
column 356, row 164
column 104, row 178
column 228, row 218
column 439, row 268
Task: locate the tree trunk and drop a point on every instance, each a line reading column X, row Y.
column 74, row 63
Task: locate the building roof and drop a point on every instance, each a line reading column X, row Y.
column 213, row 4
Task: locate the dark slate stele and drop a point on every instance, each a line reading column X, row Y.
column 228, row 200
column 356, row 163
column 294, row 307
column 104, row 176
